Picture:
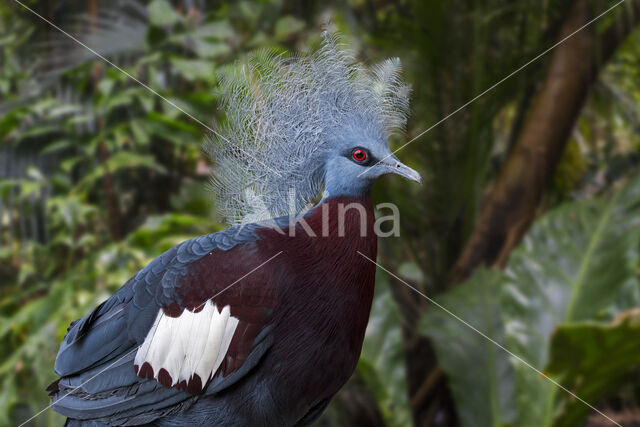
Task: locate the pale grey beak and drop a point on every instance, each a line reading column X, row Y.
column 394, row 165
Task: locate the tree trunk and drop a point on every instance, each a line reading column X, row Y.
column 511, row 205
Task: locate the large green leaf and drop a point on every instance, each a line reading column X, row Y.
column 161, row 13
column 591, row 359
column 573, row 265
column 479, row 373
column 381, row 364
column 570, row 267
column 194, row 69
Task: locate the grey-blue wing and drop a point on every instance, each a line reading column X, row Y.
column 96, row 358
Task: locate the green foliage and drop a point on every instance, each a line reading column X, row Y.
column 381, row 363
column 608, row 352
column 161, row 13
column 480, row 375
column 572, row 266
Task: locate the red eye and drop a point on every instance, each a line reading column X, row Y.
column 359, row 155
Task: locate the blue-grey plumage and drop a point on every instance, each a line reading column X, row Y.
column 98, row 350
column 262, row 323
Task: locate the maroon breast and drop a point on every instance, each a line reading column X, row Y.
column 325, row 298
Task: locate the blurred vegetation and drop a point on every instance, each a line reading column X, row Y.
column 98, row 176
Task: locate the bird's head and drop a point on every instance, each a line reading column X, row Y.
column 299, row 126
column 359, row 154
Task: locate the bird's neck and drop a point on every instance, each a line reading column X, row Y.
column 342, row 216
column 336, row 225
column 356, row 190
column 336, row 185
column 361, row 192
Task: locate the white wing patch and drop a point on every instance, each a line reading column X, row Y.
column 186, row 351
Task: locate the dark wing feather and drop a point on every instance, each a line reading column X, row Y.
column 94, row 338
column 96, row 357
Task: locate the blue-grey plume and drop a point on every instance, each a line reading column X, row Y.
column 282, row 114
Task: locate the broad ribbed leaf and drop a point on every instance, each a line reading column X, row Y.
column 571, row 265
column 592, row 359
column 478, row 371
